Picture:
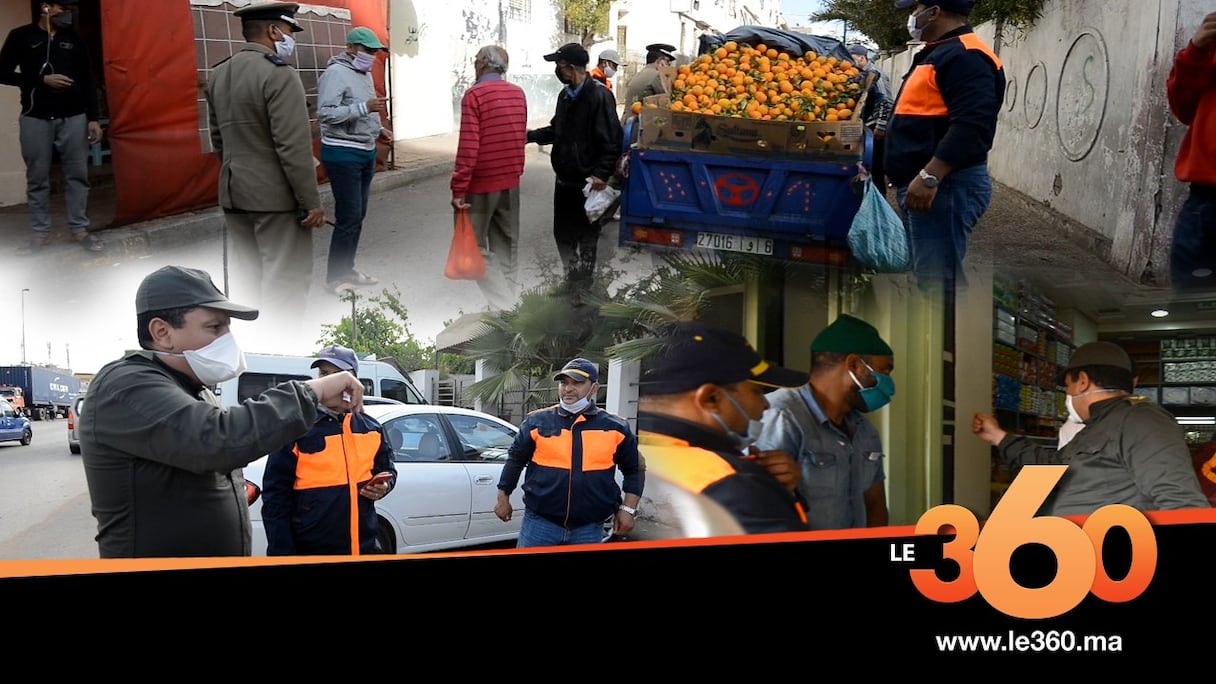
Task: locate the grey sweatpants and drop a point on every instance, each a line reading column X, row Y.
column 40, row 139
column 495, row 219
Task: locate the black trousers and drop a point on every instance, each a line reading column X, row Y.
column 576, row 237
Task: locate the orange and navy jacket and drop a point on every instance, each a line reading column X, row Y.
column 708, row 463
column 947, row 107
column 598, row 74
column 310, row 489
column 572, row 461
column 1191, row 90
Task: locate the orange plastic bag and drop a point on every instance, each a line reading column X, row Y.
column 465, row 261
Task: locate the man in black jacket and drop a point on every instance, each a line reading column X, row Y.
column 700, row 399
column 586, row 138
column 59, row 113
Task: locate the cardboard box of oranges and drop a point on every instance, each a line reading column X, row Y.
column 756, row 101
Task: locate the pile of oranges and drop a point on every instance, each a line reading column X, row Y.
column 760, row 82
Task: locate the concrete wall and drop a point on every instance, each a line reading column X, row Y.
column 12, row 168
column 433, row 45
column 1086, row 129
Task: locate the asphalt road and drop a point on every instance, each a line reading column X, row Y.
column 84, row 308
column 44, row 501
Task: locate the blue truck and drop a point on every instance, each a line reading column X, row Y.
column 779, row 189
column 47, row 391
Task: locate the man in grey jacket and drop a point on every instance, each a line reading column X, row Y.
column 162, row 458
column 1131, row 451
column 268, row 179
column 348, row 110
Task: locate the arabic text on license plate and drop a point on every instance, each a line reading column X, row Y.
column 735, row 243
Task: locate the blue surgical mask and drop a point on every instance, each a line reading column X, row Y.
column 754, row 427
column 880, row 394
column 286, row 47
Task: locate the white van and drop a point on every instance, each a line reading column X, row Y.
column 380, row 379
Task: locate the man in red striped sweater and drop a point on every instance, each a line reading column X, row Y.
column 1191, row 90
column 489, row 163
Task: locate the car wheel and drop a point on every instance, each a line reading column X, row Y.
column 74, row 448
column 27, row 437
column 385, row 543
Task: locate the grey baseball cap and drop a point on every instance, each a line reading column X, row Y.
column 178, row 287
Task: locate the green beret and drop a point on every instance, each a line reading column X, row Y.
column 849, row 335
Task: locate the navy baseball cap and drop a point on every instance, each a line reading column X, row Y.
column 694, row 354
column 339, row 356
column 579, row 369
column 962, row 7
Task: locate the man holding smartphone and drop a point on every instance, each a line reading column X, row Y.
column 309, row 485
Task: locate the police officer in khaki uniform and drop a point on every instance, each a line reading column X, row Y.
column 647, row 82
column 261, row 131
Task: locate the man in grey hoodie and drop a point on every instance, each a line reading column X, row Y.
column 348, row 109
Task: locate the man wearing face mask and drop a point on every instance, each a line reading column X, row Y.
column 572, row 452
column 348, row 109
column 822, row 424
column 162, row 458
column 938, row 138
column 648, row 81
column 49, row 62
column 586, row 138
column 608, row 64
column 1130, row 452
column 700, row 399
column 261, row 133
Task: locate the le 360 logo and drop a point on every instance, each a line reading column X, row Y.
column 983, row 555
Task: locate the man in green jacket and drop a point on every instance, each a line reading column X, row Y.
column 1131, row 451
column 161, row 457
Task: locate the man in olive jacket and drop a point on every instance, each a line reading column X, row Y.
column 163, row 460
column 261, row 131
column 1130, row 452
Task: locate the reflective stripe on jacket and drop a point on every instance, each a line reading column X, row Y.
column 572, row 461
column 310, row 491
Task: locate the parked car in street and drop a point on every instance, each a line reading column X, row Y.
column 13, row 427
column 74, row 414
column 448, row 463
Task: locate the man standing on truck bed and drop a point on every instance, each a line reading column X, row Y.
column 939, row 136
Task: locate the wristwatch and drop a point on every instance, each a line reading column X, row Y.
column 928, row 179
column 628, row 509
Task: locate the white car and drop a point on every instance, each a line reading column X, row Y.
column 448, row 462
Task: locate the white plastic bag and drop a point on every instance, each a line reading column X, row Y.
column 598, row 201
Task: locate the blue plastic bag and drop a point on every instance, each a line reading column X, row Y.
column 877, row 236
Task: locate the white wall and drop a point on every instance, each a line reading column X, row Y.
column 1086, row 128
column 433, row 45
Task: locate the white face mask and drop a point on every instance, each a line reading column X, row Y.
column 578, row 406
column 1072, row 411
column 609, row 71
column 363, row 61
column 286, row 47
column 217, row 362
column 913, row 29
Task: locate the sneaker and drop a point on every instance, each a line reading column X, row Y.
column 362, row 278
column 340, row 287
column 90, row 242
column 34, row 245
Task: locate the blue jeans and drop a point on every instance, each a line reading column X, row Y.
column 537, row 531
column 1193, row 252
column 938, row 237
column 351, row 184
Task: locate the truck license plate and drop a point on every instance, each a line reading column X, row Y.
column 735, row 243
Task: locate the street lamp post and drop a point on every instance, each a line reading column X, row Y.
column 23, row 291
